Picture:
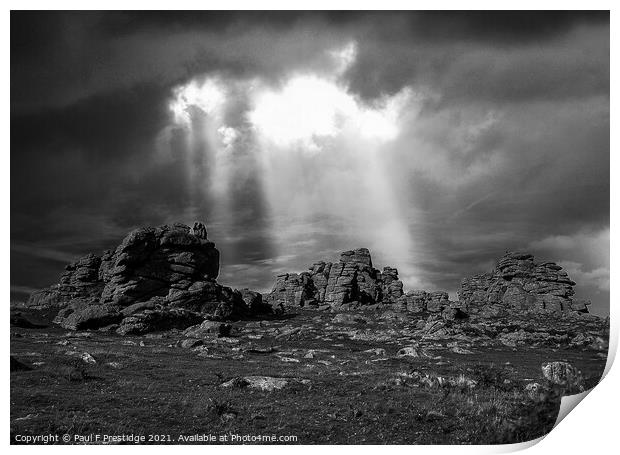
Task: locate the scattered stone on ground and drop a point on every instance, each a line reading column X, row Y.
column 265, row 383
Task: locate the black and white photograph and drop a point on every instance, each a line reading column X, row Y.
column 306, row 227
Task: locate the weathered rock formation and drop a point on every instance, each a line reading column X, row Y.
column 418, row 301
column 351, row 282
column 516, row 284
column 166, row 277
column 519, row 284
column 79, row 281
column 156, row 279
column 352, row 279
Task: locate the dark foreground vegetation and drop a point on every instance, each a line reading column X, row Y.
column 319, row 377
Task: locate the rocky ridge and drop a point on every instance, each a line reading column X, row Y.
column 516, row 284
column 351, row 282
column 165, row 277
column 156, row 279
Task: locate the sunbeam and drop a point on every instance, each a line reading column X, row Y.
column 315, row 149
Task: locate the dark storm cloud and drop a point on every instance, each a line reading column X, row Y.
column 510, row 27
column 509, row 149
column 571, row 64
column 84, row 175
column 505, row 26
column 59, row 57
column 83, row 155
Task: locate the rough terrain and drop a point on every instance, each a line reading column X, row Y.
column 143, row 340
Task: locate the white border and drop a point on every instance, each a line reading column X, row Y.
column 591, row 429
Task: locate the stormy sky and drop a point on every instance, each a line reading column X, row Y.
column 439, row 140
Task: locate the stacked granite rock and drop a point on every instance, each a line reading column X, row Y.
column 349, row 283
column 519, row 284
column 168, row 261
column 156, row 279
column 418, row 301
column 352, row 280
column 79, row 281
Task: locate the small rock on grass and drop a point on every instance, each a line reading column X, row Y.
column 412, row 351
column 265, row 383
column 27, row 417
column 288, row 359
column 376, row 351
column 259, row 350
column 228, row 416
column 85, row 356
column 534, row 389
column 191, row 343
column 460, row 350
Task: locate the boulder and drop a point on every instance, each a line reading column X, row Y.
column 535, row 391
column 83, row 356
column 208, row 329
column 264, row 383
column 191, row 343
column 83, row 315
column 254, row 302
column 139, row 307
column 564, row 375
column 158, row 319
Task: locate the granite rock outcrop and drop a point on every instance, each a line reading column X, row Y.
column 353, row 281
column 80, row 280
column 518, row 283
column 157, row 278
column 165, row 277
